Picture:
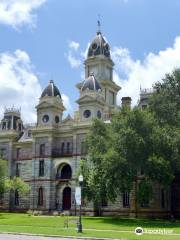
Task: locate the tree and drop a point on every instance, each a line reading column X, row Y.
column 165, row 102
column 3, row 170
column 145, row 147
column 14, row 183
column 17, row 184
column 117, row 152
column 165, row 105
column 93, row 168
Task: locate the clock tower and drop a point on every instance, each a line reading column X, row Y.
column 100, row 65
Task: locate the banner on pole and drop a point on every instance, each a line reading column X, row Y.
column 78, row 195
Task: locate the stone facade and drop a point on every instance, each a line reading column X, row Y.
column 47, row 154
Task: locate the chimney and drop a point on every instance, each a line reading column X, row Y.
column 126, row 102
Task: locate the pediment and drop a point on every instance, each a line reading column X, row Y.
column 46, row 104
column 67, row 120
column 85, row 98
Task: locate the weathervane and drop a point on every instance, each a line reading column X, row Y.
column 99, row 23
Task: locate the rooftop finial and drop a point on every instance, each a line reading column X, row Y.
column 99, row 24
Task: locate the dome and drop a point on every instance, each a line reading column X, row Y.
column 51, row 90
column 99, row 46
column 91, row 83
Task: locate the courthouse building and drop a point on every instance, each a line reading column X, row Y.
column 46, row 155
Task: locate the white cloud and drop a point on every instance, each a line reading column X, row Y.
column 73, row 55
column 66, row 102
column 74, row 45
column 19, row 12
column 130, row 74
column 19, row 86
column 74, row 61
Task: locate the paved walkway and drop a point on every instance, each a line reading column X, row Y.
column 23, row 237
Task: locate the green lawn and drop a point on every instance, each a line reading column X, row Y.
column 104, row 227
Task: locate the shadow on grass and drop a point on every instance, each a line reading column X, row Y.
column 2, row 216
column 134, row 222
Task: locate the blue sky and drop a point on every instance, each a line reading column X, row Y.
column 45, row 39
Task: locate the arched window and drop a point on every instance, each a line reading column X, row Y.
column 40, row 196
column 16, row 198
column 66, row 172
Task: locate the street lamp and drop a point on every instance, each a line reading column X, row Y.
column 80, row 223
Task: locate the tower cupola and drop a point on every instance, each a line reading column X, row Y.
column 91, row 83
column 51, row 90
column 99, row 46
column 50, row 108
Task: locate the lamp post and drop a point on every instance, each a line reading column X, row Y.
column 80, row 223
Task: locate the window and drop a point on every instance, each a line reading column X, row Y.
column 144, row 106
column 66, row 172
column 162, row 198
column 42, row 150
column 111, row 98
column 104, row 202
column 4, row 125
column 41, row 168
column 18, row 153
column 68, row 147
column 3, row 153
column 126, row 199
column 17, row 170
column 87, row 113
column 62, row 147
column 145, row 203
column 105, row 92
column 56, row 119
column 19, row 127
column 1, row 197
column 40, row 196
column 83, row 148
column 16, row 198
column 9, row 125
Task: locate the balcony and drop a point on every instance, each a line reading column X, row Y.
column 68, row 152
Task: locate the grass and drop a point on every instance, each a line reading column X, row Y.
column 102, row 227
